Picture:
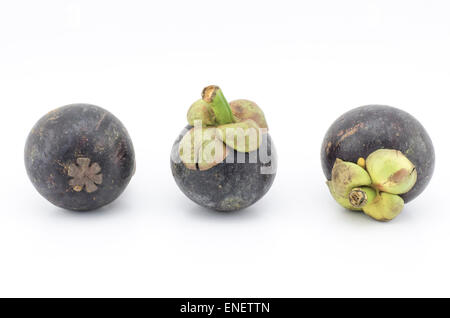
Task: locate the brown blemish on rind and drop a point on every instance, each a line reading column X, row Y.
column 84, row 175
column 100, row 121
column 53, row 115
column 51, row 181
column 63, row 165
column 121, row 152
column 328, row 147
column 349, row 132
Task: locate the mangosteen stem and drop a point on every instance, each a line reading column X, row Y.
column 213, row 95
column 360, row 197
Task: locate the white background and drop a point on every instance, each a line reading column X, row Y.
column 304, row 63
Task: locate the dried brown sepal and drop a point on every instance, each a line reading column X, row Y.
column 209, row 92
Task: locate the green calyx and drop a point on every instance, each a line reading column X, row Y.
column 391, row 171
column 373, row 185
column 237, row 125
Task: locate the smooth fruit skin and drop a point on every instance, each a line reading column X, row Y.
column 227, row 186
column 366, row 129
column 79, row 157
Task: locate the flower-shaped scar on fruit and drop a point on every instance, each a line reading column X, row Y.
column 377, row 158
column 85, row 175
column 373, row 185
column 224, row 159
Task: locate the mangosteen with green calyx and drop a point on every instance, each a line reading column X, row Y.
column 79, row 157
column 390, row 146
column 224, row 159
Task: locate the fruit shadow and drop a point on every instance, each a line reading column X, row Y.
column 359, row 218
column 203, row 213
column 119, row 206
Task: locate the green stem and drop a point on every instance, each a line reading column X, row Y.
column 213, row 95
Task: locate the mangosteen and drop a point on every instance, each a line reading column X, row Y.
column 377, row 158
column 79, row 157
column 224, row 159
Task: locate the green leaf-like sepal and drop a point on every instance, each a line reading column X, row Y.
column 201, row 111
column 345, row 176
column 391, row 171
column 384, row 207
